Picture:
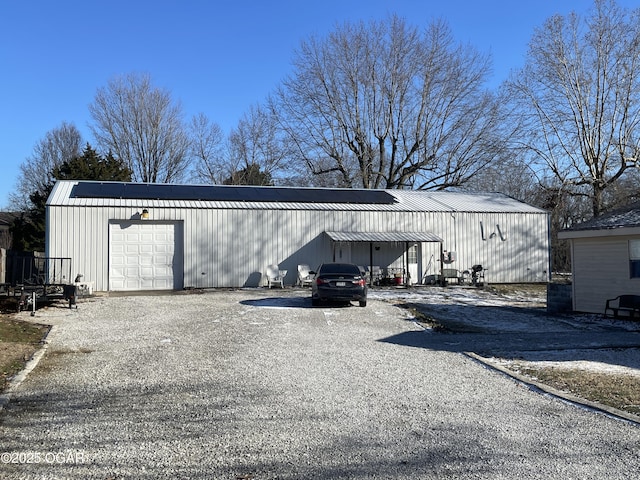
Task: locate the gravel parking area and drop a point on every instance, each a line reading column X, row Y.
column 256, row 384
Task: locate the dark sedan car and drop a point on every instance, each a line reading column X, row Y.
column 339, row 282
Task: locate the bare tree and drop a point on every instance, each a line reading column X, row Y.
column 59, row 145
column 207, row 141
column 509, row 176
column 577, row 97
column 257, row 143
column 141, row 125
column 380, row 105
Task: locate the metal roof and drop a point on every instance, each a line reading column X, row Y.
column 81, row 193
column 383, row 237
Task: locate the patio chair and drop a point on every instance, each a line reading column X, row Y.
column 275, row 276
column 304, row 277
column 376, row 274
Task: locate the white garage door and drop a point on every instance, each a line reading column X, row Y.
column 145, row 256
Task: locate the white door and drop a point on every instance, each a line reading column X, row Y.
column 412, row 255
column 145, row 256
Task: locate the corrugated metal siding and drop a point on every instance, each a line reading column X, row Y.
column 516, row 253
column 231, row 247
column 601, row 271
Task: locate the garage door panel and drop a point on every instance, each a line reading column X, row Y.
column 130, row 248
column 133, row 284
column 158, row 249
column 159, row 271
column 145, row 256
column 117, row 259
column 119, row 272
column 131, row 272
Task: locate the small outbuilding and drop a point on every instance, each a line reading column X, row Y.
column 138, row 236
column 605, row 258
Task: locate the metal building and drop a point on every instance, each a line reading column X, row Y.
column 132, row 236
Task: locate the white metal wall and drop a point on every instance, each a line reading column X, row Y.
column 232, row 247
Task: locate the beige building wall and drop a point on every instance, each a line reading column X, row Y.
column 601, row 271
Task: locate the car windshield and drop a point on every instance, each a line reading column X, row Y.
column 339, row 268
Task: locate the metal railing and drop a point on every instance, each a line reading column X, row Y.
column 38, row 271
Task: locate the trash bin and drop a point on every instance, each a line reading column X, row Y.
column 398, row 278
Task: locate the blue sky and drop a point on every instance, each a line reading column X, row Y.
column 215, row 57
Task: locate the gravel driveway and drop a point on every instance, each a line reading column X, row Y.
column 257, row 385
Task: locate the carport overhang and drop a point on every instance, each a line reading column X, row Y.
column 404, row 238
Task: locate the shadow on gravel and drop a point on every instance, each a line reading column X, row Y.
column 470, row 318
column 521, row 333
column 216, row 430
column 291, row 302
column 279, row 302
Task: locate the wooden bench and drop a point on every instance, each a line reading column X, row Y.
column 624, row 303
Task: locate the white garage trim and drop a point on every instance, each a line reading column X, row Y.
column 145, row 255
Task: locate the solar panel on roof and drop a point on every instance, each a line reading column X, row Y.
column 142, row 191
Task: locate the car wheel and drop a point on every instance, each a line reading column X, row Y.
column 363, row 303
column 315, row 302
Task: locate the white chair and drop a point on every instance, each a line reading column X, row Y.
column 304, row 277
column 376, row 274
column 275, row 276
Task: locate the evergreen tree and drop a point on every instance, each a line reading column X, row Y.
column 29, row 228
column 250, row 175
column 91, row 166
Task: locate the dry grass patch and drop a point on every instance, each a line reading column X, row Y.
column 423, row 319
column 534, row 290
column 615, row 390
column 18, row 342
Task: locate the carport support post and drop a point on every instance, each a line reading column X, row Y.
column 442, row 282
column 371, row 264
column 406, row 270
